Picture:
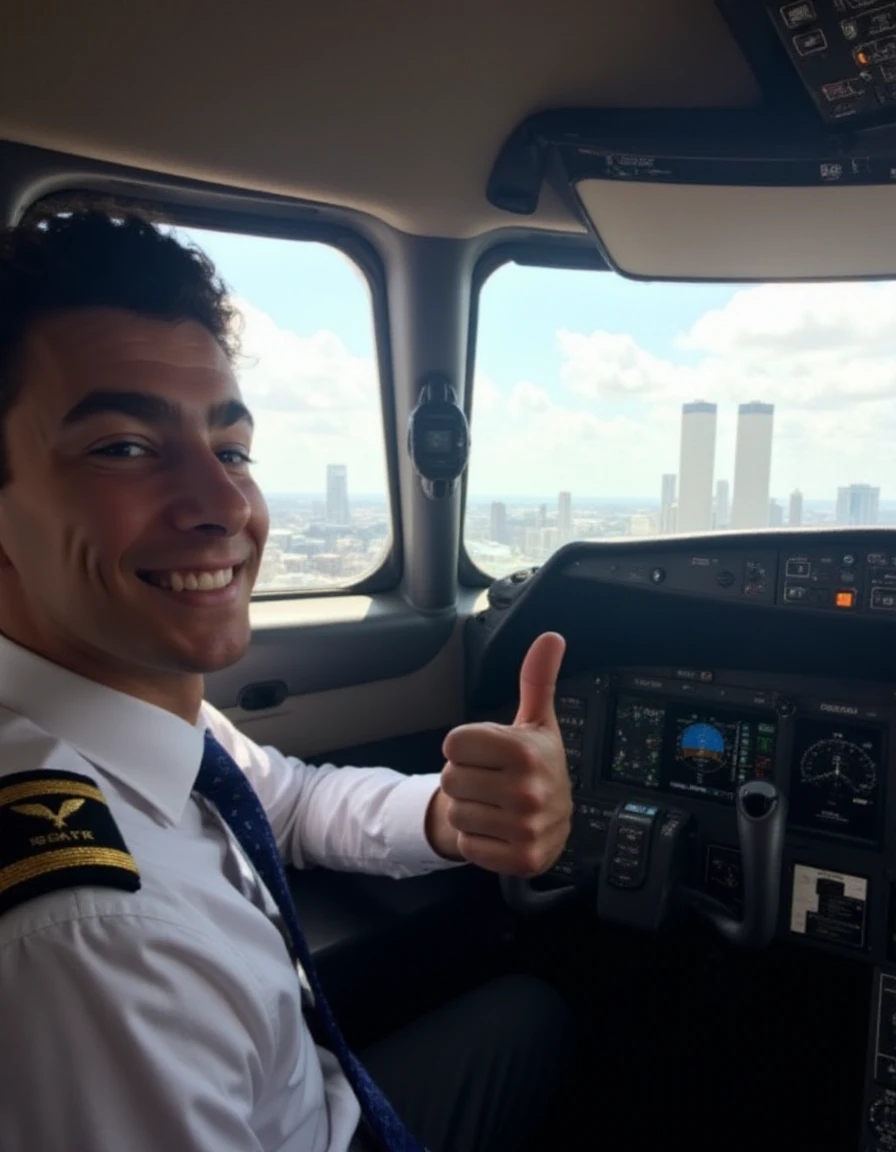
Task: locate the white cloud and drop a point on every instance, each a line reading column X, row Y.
column 608, row 423
column 799, row 320
column 607, row 364
column 314, row 404
column 824, row 355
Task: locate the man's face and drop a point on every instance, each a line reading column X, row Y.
column 130, row 529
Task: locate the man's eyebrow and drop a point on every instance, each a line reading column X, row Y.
column 150, row 409
column 229, row 413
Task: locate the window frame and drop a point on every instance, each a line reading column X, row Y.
column 248, row 220
column 573, row 253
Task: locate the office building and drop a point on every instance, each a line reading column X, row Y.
column 752, row 465
column 550, row 541
column 667, row 504
column 858, row 504
column 775, row 514
column 564, row 517
column 723, row 505
column 696, row 466
column 498, row 530
column 337, row 494
column 533, row 544
column 641, row 524
column 796, row 508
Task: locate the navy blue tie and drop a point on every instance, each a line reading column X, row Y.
column 221, row 781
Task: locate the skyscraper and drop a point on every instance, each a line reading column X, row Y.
column 564, row 517
column 337, row 494
column 858, row 504
column 752, row 465
column 696, row 466
column 796, row 508
column 667, row 504
column 498, row 524
column 775, row 514
column 723, row 509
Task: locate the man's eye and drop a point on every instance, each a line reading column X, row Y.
column 234, row 456
column 122, row 450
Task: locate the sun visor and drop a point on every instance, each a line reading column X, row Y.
column 723, row 232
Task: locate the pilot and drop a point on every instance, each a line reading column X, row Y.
column 156, row 990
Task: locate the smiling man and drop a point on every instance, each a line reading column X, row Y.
column 155, row 987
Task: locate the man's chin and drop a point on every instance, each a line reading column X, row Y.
column 212, row 654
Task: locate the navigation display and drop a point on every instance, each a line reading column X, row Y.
column 681, row 747
column 836, row 777
column 638, row 742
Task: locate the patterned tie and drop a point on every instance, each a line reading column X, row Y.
column 221, row 781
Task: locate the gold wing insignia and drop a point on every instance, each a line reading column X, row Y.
column 41, row 811
column 69, row 808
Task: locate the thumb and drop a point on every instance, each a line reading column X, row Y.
column 538, row 680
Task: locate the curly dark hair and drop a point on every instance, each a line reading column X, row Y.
column 101, row 257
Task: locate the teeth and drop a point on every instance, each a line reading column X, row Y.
column 193, row 581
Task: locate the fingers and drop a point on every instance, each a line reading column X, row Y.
column 488, row 746
column 474, row 819
column 488, row 786
column 523, row 860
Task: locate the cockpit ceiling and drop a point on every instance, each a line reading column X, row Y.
column 394, row 108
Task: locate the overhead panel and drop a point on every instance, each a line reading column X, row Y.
column 802, row 187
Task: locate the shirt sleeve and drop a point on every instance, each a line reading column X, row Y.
column 120, row 1033
column 351, row 819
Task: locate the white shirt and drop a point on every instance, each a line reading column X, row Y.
column 171, row 1017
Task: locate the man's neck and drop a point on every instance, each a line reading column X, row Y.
column 180, row 693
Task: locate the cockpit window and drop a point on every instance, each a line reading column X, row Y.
column 607, row 408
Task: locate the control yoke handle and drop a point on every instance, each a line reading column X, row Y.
column 761, row 819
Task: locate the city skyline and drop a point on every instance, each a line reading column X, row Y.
column 307, row 549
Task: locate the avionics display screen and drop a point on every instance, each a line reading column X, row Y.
column 690, row 748
column 836, row 777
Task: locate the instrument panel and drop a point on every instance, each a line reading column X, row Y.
column 695, row 665
column 687, row 739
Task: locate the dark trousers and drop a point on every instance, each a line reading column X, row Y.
column 481, row 1073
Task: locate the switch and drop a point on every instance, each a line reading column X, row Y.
column 845, row 598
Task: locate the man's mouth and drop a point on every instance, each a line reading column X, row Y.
column 183, row 580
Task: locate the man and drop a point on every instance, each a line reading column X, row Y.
column 149, row 994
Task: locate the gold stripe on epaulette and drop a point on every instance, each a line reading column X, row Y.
column 23, row 870
column 14, row 792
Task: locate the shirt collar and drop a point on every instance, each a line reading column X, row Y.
column 151, row 751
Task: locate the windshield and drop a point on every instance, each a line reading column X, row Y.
column 606, row 408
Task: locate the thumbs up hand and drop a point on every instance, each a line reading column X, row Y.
column 505, row 801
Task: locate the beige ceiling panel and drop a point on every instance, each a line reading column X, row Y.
column 396, row 108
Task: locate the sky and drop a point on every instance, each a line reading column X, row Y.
column 580, row 376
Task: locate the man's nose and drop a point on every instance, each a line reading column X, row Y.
column 207, row 497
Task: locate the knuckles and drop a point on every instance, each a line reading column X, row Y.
column 530, row 862
column 449, row 781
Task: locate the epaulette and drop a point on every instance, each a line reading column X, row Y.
column 56, row 831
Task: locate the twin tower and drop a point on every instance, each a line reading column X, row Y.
column 752, row 466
